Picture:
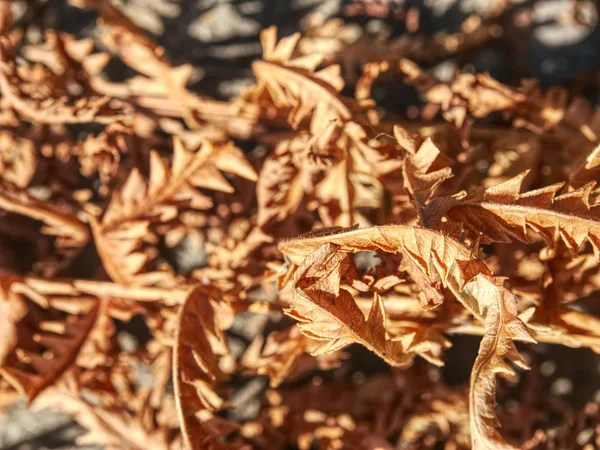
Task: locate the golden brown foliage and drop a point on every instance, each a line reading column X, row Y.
column 264, row 236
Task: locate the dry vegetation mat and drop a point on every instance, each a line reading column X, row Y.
column 319, row 218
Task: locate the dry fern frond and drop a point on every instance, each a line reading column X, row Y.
column 49, row 335
column 284, row 356
column 113, row 16
column 502, row 213
column 200, row 341
column 60, row 324
column 338, row 321
column 293, row 83
column 479, row 95
column 351, row 47
column 470, row 282
column 71, row 234
column 114, row 427
column 120, row 410
column 222, row 280
column 424, row 168
column 281, row 185
column 41, row 107
column 497, row 347
column 139, row 204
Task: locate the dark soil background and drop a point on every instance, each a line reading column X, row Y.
column 220, row 37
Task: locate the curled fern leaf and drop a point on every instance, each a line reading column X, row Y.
column 467, row 277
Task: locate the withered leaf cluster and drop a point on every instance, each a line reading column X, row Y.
column 314, row 219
